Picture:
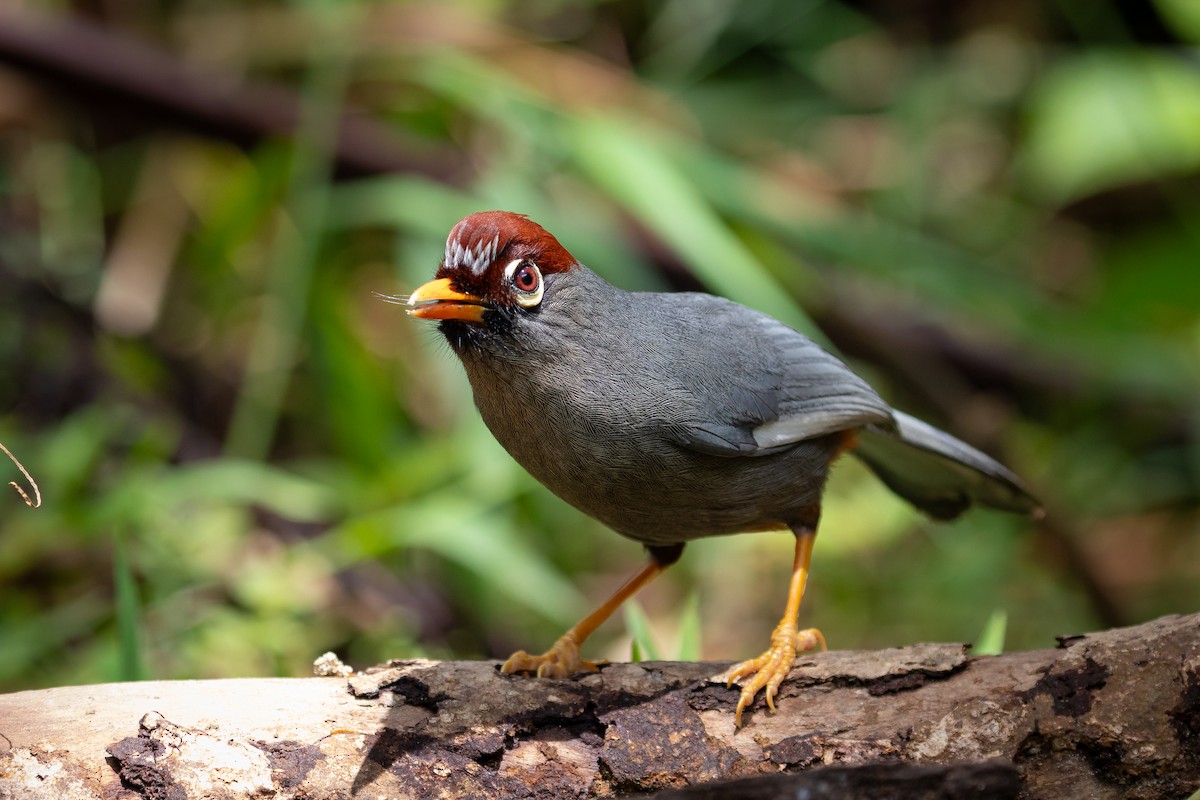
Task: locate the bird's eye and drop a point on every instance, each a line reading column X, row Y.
column 526, row 278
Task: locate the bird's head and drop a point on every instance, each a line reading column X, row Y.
column 496, row 268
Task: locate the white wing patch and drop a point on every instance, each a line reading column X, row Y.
column 475, row 258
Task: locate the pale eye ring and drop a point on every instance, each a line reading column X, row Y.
column 526, row 280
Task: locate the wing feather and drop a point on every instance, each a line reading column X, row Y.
column 788, row 391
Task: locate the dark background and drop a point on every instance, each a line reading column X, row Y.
column 247, row 458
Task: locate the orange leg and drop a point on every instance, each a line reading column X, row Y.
column 769, row 669
column 562, row 659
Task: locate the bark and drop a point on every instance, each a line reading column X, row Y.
column 1107, row 715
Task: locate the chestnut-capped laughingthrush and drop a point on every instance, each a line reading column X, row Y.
column 670, row 417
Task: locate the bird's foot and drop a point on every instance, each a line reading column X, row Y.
column 559, row 661
column 769, row 669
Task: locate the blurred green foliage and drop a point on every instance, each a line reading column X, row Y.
column 248, row 458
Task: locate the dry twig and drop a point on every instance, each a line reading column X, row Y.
column 36, row 502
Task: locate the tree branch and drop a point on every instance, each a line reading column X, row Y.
column 1111, row 714
column 108, row 72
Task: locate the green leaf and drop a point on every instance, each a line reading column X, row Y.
column 1111, row 118
column 250, row 483
column 471, row 536
column 1184, row 17
column 35, row 635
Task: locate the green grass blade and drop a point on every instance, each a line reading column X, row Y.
column 689, row 629
column 129, row 651
column 991, row 638
column 636, row 169
column 281, row 325
column 644, row 648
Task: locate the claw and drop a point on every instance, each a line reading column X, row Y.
column 560, row 661
column 563, row 658
column 770, row 669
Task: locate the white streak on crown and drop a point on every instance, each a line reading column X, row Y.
column 475, row 258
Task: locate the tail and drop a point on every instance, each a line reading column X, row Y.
column 937, row 473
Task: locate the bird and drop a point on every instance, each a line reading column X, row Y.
column 675, row 416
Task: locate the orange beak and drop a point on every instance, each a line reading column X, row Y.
column 436, row 300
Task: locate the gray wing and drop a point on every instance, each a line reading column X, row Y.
column 778, row 388
column 938, row 473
